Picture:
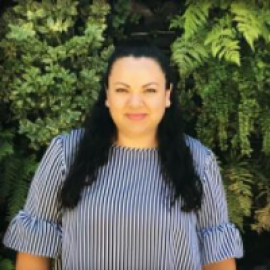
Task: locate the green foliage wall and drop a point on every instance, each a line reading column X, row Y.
column 224, row 51
column 53, row 54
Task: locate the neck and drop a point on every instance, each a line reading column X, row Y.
column 136, row 142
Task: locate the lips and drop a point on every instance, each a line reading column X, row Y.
column 136, row 116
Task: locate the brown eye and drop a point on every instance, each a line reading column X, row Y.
column 150, row 90
column 120, row 90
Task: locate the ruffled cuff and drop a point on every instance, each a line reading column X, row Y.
column 220, row 243
column 35, row 236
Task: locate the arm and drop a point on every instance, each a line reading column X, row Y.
column 219, row 238
column 228, row 264
column 37, row 228
column 26, row 261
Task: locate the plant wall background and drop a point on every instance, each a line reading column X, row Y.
column 224, row 50
column 53, row 53
column 52, row 56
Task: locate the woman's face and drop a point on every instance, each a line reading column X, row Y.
column 137, row 97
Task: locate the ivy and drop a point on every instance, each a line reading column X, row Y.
column 53, row 56
column 53, row 59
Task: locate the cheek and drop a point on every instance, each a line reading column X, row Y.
column 116, row 103
column 158, row 103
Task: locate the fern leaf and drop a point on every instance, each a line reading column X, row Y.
column 177, row 22
column 265, row 18
column 224, row 44
column 265, row 127
column 248, row 22
column 239, row 181
column 189, row 54
column 19, row 179
column 6, row 147
column 10, row 175
column 5, row 150
column 195, row 17
column 263, row 218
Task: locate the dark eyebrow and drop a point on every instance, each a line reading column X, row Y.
column 145, row 85
column 123, row 84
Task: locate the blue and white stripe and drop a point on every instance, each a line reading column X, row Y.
column 123, row 221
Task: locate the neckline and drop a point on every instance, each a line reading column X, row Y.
column 134, row 149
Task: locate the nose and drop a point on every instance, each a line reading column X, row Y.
column 135, row 100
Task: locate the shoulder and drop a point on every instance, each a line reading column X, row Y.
column 197, row 148
column 70, row 143
column 72, row 138
column 200, row 153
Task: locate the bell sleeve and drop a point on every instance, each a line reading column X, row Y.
column 219, row 239
column 36, row 229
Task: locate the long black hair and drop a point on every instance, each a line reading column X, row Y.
column 99, row 130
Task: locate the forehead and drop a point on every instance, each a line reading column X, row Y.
column 131, row 66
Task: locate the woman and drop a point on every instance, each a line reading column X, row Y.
column 130, row 190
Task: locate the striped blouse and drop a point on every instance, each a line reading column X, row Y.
column 123, row 221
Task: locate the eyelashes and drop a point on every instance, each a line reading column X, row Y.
column 123, row 90
column 151, row 90
column 120, row 90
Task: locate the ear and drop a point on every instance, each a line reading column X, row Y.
column 106, row 101
column 168, row 97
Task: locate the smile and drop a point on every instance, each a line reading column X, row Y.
column 137, row 116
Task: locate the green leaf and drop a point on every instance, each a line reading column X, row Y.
column 195, row 17
column 6, row 264
column 248, row 21
column 21, row 32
